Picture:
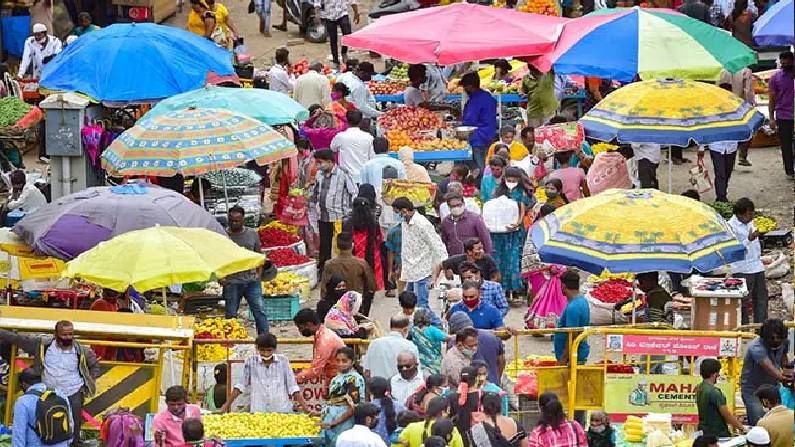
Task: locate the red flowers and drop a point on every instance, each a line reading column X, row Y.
column 285, row 256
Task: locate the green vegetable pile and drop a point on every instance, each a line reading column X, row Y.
column 725, row 209
column 235, row 178
column 11, row 110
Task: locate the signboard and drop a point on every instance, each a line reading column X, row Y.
column 640, row 394
column 672, row 345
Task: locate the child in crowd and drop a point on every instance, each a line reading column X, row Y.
column 787, row 388
column 600, row 432
column 404, row 418
column 516, row 150
column 346, row 390
column 575, row 185
column 553, row 188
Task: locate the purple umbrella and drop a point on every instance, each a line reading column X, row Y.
column 78, row 222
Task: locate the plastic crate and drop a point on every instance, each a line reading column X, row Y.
column 280, row 308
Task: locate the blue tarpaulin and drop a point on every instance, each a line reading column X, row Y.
column 15, row 30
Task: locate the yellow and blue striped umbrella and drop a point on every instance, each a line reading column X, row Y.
column 192, row 142
column 672, row 112
column 637, row 231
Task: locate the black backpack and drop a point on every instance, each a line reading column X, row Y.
column 52, row 417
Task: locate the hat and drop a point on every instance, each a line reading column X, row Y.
column 39, row 28
column 458, row 321
column 758, row 436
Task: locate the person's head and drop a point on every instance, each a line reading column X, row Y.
column 545, row 210
column 473, row 248
column 482, row 370
column 84, row 19
column 507, row 133
column 339, row 91
column 354, row 118
column 345, row 242
column 503, row 151
column 18, row 179
column 545, row 398
column 422, row 317
column 438, row 407
column 351, row 65
column 408, row 302
column 558, row 119
column 458, row 321
column 29, row 377
column 788, row 370
column 237, row 217
column 220, row 373
column 468, row 376
column 325, row 160
column 470, row 82
column 400, row 323
column 307, row 321
column 757, row 437
column 362, row 217
column 552, row 415
column 455, row 187
column 497, row 165
column 407, row 417
column 407, row 365
column 705, row 441
column 110, row 295
column 512, row 178
column 467, row 341
column 553, row 187
column 199, row 6
column 570, row 284
column 404, row 207
column 379, row 387
column 710, row 369
column 176, row 399
column 501, row 68
column 316, row 66
column 563, row 158
column 40, row 32
column 266, row 345
column 744, row 210
column 336, row 287
column 64, row 333
column 366, row 413
column 417, row 74
column 198, row 188
column 455, row 202
column 380, row 145
column 365, row 71
column 459, row 172
column 434, row 441
column 344, row 358
column 192, row 430
column 785, row 59
column 769, row 396
column 443, row 428
column 492, row 404
column 599, row 422
column 471, row 294
column 648, row 281
column 436, row 384
column 693, row 194
column 773, row 333
column 315, row 109
column 282, row 56
column 528, row 138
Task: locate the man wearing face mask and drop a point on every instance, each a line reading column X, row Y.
column 762, row 365
column 781, row 110
column 382, row 354
column 778, row 420
column 39, row 49
column 460, row 356
column 332, row 196
column 409, row 377
column 365, row 418
column 323, row 350
column 483, row 315
column 462, row 225
column 490, row 348
column 64, row 364
column 271, row 380
column 167, row 425
column 474, row 253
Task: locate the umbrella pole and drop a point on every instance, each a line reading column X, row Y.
column 670, row 170
column 226, row 194
column 201, row 190
column 165, row 304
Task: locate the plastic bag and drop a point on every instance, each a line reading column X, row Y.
column 526, row 384
column 499, row 213
column 294, row 211
column 609, row 170
column 699, row 179
column 563, row 136
column 30, row 119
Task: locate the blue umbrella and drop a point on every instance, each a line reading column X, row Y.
column 776, row 26
column 136, row 62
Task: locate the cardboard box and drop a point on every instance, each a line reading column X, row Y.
column 715, row 314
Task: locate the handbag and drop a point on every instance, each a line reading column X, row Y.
column 294, row 211
column 699, row 179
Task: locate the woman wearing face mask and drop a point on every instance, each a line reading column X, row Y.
column 345, row 391
column 508, row 245
column 600, row 433
column 342, row 318
column 335, row 287
column 497, row 429
column 573, row 179
column 491, row 180
column 435, row 386
column 339, row 105
column 554, row 191
column 415, row 434
column 484, row 386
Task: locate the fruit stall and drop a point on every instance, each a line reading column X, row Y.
column 430, row 134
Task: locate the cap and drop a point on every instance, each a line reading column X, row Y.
column 458, row 321
column 758, row 436
column 39, row 28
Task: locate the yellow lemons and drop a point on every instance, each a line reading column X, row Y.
column 260, row 425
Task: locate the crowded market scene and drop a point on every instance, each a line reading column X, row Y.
column 493, row 223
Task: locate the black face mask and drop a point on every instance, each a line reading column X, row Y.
column 787, row 68
column 337, row 294
column 373, row 423
column 306, row 332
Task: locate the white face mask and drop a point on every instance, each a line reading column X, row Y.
column 511, row 185
column 267, row 358
column 457, row 210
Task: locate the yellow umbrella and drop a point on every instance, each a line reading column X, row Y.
column 13, row 244
column 159, row 257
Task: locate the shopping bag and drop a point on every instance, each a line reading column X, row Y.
column 699, row 179
column 294, row 211
column 609, row 170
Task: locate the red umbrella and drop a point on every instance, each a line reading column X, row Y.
column 461, row 32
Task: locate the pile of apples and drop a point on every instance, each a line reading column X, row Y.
column 545, row 7
column 400, row 138
column 302, row 67
column 410, row 119
column 389, row 87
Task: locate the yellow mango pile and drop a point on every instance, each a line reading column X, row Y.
column 633, row 429
column 260, row 425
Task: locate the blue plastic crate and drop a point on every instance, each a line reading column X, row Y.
column 280, row 308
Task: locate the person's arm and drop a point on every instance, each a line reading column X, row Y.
column 340, row 420
column 26, row 343
column 91, row 361
column 729, row 418
column 231, row 26
column 293, row 389
column 322, row 357
column 25, row 63
column 501, row 363
column 209, row 25
column 360, row 97
column 484, row 235
column 436, row 244
column 323, row 279
column 771, row 369
column 497, row 322
column 238, row 388
column 771, row 103
column 500, row 302
column 19, row 201
column 584, row 186
column 356, row 15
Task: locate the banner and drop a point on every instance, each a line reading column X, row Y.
column 639, row 394
column 672, row 345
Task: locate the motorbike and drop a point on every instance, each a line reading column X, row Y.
column 302, row 13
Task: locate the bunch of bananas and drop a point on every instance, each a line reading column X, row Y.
column 282, row 226
column 765, row 224
column 219, row 328
column 633, row 429
column 602, row 147
column 285, row 283
column 212, row 353
column 260, row 425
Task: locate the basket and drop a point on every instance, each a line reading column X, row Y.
column 30, row 89
column 279, row 308
column 420, row 194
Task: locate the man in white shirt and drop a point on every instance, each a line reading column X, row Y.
column 648, row 157
column 25, row 197
column 39, row 49
column 750, row 268
column 361, row 96
column 382, row 354
column 408, row 379
column 279, row 76
column 365, row 418
column 312, row 87
column 741, row 84
column 354, row 146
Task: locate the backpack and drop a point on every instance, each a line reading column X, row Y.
column 121, row 428
column 52, row 417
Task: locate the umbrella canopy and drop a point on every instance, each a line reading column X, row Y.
column 158, row 257
column 14, row 245
column 672, row 112
column 266, row 106
column 460, row 32
column 193, row 142
column 776, row 26
column 637, row 231
column 652, row 43
column 77, row 222
column 135, row 63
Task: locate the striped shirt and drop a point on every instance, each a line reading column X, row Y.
column 568, row 434
column 333, row 194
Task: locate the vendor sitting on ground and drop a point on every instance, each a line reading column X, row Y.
column 656, row 296
column 25, row 196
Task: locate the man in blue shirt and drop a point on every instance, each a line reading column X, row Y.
column 490, row 291
column 483, row 315
column 372, row 170
column 22, row 433
column 480, row 111
column 576, row 314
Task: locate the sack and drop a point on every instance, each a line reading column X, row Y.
column 251, row 7
column 499, row 213
column 609, row 170
column 527, row 384
column 121, row 428
column 53, row 425
column 294, row 211
column 699, row 179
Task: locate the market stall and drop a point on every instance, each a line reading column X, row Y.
column 432, row 135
